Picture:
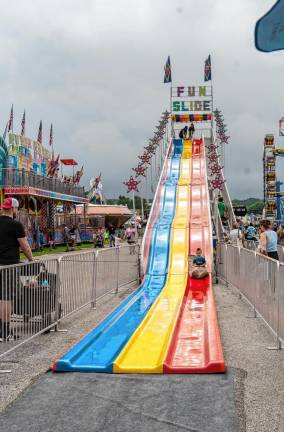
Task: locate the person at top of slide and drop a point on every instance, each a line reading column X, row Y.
column 191, row 130
column 183, row 133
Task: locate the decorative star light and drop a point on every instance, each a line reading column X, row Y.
column 132, row 184
column 213, row 157
column 215, row 169
column 224, row 139
column 140, row 170
column 151, row 148
column 145, row 158
column 212, row 148
column 217, row 184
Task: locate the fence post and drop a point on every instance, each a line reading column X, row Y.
column 57, row 293
column 58, row 307
column 278, row 344
column 226, row 266
column 117, row 255
column 254, row 314
column 94, row 290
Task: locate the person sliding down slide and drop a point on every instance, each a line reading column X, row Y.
column 199, row 270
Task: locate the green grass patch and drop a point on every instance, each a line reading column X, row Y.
column 58, row 249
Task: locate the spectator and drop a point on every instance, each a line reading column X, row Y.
column 270, row 239
column 66, row 236
column 262, row 240
column 280, row 234
column 250, row 233
column 12, row 238
column 50, row 239
column 235, row 235
column 191, row 130
column 72, row 233
column 99, row 239
column 111, row 232
column 130, row 236
column 222, row 208
column 183, row 133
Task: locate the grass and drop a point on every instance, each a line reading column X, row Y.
column 57, row 250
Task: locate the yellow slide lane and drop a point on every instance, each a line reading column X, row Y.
column 146, row 349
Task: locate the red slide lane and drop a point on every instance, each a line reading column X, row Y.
column 195, row 346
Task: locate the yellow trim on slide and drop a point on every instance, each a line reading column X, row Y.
column 146, row 349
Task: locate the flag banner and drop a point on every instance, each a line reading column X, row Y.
column 207, row 69
column 51, row 135
column 23, row 124
column 268, row 34
column 39, row 135
column 281, row 127
column 10, row 122
column 168, row 71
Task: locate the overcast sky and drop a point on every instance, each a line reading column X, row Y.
column 94, row 68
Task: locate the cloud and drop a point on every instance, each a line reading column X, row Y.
column 94, row 68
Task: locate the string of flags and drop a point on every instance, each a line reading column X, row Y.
column 150, row 151
column 10, row 128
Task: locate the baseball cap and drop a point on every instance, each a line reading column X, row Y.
column 10, row 203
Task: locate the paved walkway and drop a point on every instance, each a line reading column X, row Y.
column 112, row 403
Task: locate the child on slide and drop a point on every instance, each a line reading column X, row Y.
column 199, row 270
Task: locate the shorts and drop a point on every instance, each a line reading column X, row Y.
column 273, row 255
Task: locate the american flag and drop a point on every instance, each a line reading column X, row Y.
column 168, row 71
column 207, row 69
column 10, row 122
column 23, row 124
column 51, row 135
column 39, row 135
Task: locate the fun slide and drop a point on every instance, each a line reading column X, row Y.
column 169, row 324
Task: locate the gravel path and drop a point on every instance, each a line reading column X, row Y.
column 259, row 384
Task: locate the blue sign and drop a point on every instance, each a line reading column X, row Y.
column 269, row 30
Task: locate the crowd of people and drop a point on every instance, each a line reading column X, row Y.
column 115, row 236
column 263, row 236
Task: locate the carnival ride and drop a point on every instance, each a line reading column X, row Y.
column 273, row 196
column 31, row 172
column 169, row 324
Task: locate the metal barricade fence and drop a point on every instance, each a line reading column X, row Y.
column 76, row 275
column 280, row 250
column 281, row 301
column 35, row 297
column 258, row 278
column 28, row 300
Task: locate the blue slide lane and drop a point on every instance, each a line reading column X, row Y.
column 99, row 348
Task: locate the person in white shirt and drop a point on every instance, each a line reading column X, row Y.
column 235, row 235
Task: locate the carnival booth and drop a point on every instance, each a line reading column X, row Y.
column 31, row 173
column 100, row 216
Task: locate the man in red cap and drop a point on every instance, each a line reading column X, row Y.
column 12, row 238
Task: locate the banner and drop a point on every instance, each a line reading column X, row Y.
column 192, row 99
column 281, row 127
column 269, row 30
